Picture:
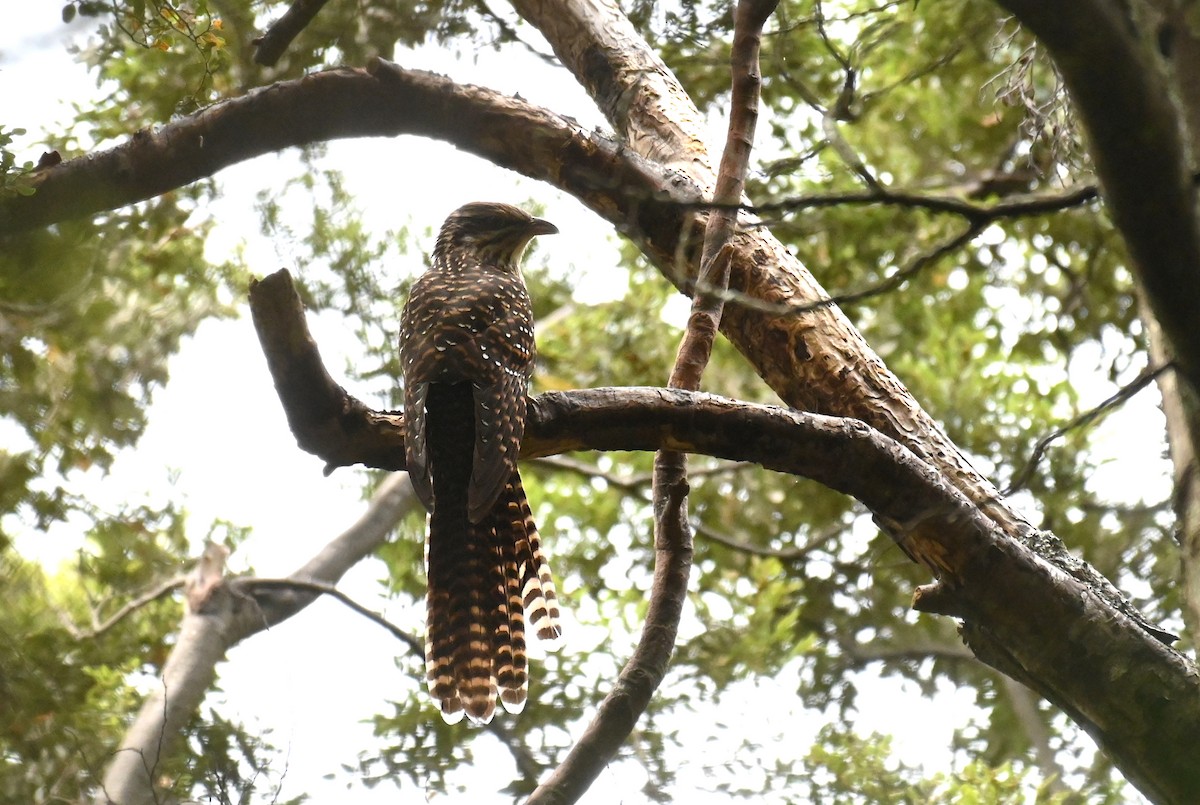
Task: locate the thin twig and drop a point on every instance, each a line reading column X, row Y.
column 509, row 34
column 160, row 590
column 786, row 554
column 1086, row 418
column 1018, row 206
column 887, row 285
column 951, row 244
column 637, row 483
column 619, row 712
column 249, row 585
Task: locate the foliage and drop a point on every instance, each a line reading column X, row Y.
column 1001, row 340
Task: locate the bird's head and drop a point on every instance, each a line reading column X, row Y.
column 495, row 233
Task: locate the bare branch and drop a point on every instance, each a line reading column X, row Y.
column 384, row 100
column 251, row 586
column 864, row 654
column 1018, row 206
column 1021, row 478
column 795, row 554
column 918, row 264
column 635, row 484
column 618, row 714
column 97, row 628
column 1015, row 605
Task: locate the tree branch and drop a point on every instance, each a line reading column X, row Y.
column 905, row 273
column 1019, row 206
column 227, row 619
column 1021, row 478
column 271, row 45
column 1053, row 630
column 648, row 202
column 673, row 549
column 383, row 100
column 795, row 554
column 98, row 627
column 634, row 484
column 1113, row 78
column 252, row 586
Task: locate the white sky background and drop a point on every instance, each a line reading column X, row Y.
column 313, row 680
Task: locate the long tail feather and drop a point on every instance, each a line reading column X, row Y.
column 485, row 580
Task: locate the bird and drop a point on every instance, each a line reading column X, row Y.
column 467, row 355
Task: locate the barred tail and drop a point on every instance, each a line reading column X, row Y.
column 481, row 591
column 485, row 578
column 539, row 600
column 464, row 590
column 464, row 595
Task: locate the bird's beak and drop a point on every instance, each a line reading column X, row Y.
column 539, row 226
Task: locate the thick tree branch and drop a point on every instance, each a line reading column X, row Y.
column 815, row 360
column 383, row 100
column 1021, row 614
column 324, row 418
column 805, row 349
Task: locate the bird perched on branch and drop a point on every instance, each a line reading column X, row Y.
column 467, row 349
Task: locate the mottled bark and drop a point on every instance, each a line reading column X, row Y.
column 815, row 360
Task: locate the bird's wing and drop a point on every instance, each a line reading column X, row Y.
column 416, row 445
column 499, row 426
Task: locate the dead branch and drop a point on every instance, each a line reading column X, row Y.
column 634, row 484
column 227, row 619
column 796, row 554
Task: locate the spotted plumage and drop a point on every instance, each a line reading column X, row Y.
column 467, row 350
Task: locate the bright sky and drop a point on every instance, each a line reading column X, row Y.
column 314, row 679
